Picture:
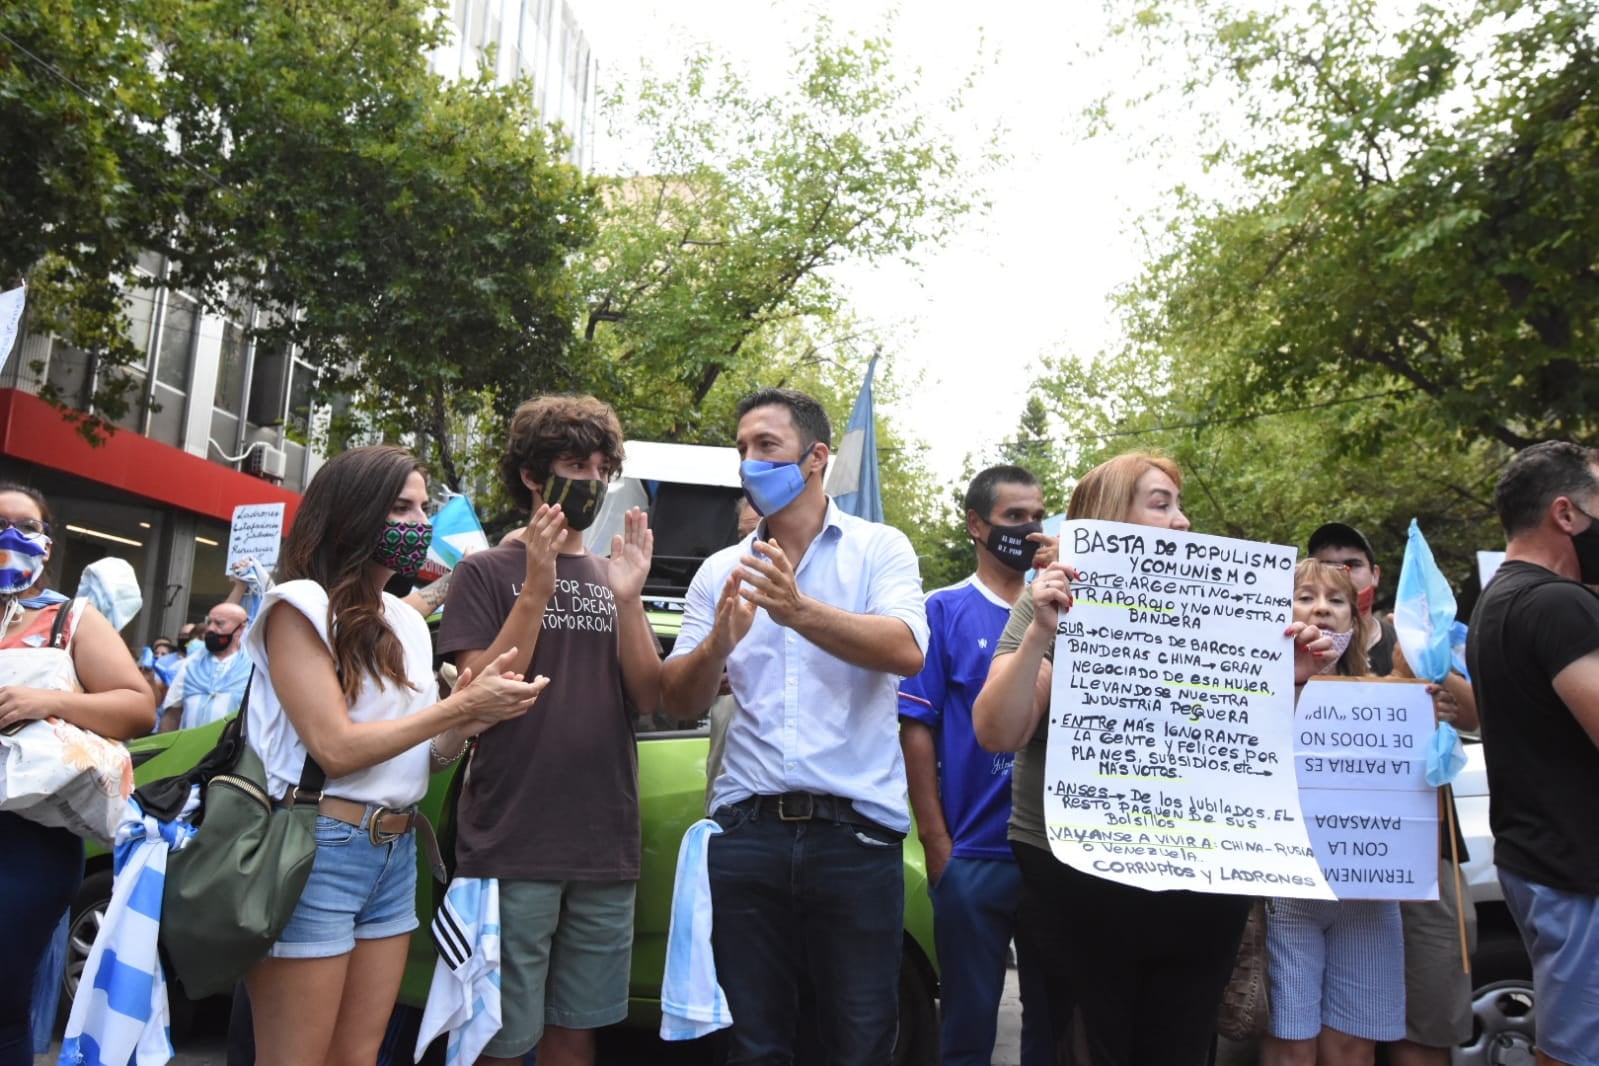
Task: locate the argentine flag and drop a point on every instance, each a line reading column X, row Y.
column 853, row 481
column 456, row 531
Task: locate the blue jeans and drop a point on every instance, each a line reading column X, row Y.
column 975, row 904
column 42, row 870
column 813, row 898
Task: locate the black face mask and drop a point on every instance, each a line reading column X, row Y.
column 579, row 499
column 1009, row 544
column 1587, row 545
column 217, row 643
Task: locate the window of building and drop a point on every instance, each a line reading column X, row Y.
column 269, row 380
column 176, row 355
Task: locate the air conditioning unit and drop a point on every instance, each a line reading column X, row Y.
column 268, row 462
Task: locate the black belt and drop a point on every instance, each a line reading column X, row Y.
column 806, row 807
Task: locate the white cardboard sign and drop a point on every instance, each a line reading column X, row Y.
column 1360, row 752
column 257, row 531
column 1170, row 759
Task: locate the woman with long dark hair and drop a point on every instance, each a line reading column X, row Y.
column 1136, row 975
column 344, row 674
column 59, row 658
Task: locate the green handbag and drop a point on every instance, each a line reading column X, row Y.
column 233, row 887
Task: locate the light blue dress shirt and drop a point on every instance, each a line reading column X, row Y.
column 808, row 721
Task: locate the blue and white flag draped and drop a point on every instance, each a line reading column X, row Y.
column 119, row 1016
column 692, row 1002
column 464, row 999
column 456, row 533
column 853, row 482
column 1424, row 620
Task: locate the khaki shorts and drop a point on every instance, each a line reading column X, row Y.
column 566, row 949
column 1437, row 990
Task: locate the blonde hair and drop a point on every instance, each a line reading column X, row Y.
column 1109, row 491
column 1317, row 575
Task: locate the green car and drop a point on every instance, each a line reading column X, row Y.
column 671, row 797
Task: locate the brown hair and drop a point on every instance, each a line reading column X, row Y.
column 341, row 516
column 1315, row 574
column 1107, row 492
column 546, row 428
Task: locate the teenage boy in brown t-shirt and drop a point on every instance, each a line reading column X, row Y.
column 551, row 804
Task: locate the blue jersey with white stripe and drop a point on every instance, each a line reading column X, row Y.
column 964, row 623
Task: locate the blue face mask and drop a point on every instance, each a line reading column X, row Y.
column 21, row 560
column 770, row 487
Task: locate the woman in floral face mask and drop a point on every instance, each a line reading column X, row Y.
column 1337, row 967
column 344, row 675
column 59, row 658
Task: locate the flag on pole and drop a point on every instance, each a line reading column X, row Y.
column 853, row 481
column 456, row 532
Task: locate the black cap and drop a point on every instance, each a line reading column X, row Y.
column 1339, row 533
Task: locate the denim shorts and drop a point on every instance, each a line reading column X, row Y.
column 1561, row 932
column 358, row 890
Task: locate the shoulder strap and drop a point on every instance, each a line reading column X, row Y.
column 58, row 629
column 311, row 776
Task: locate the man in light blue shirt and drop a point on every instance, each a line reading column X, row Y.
column 210, row 683
column 816, row 616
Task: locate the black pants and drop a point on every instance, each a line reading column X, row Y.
column 40, row 874
column 1136, row 976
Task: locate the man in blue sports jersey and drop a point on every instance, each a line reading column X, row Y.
column 960, row 793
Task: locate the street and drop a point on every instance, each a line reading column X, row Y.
column 206, row 1046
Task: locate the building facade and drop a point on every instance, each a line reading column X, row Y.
column 215, row 420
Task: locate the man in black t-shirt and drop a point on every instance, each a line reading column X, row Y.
column 1533, row 652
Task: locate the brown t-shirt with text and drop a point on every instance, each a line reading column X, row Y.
column 553, row 795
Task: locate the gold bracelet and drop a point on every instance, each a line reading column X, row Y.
column 443, row 760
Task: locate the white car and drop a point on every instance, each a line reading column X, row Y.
column 1502, row 998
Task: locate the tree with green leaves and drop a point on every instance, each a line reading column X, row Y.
column 719, row 254
column 1412, row 216
column 411, row 237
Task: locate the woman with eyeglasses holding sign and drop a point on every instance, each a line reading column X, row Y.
column 59, row 658
column 1136, row 976
column 344, row 673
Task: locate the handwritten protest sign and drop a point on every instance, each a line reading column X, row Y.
column 11, row 305
column 1360, row 753
column 257, row 531
column 1488, row 564
column 1171, row 720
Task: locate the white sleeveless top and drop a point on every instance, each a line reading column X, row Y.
column 399, row 782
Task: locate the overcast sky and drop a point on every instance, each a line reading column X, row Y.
column 1030, row 277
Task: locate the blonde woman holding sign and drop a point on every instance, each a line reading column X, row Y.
column 1134, row 976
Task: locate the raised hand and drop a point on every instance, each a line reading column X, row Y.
column 546, row 532
column 1048, row 550
column 1313, row 650
column 631, row 552
column 767, row 579
column 1052, row 594
column 734, row 615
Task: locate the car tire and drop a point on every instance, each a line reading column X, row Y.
column 917, row 1041
column 1500, row 956
column 1503, row 1030
column 87, row 916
